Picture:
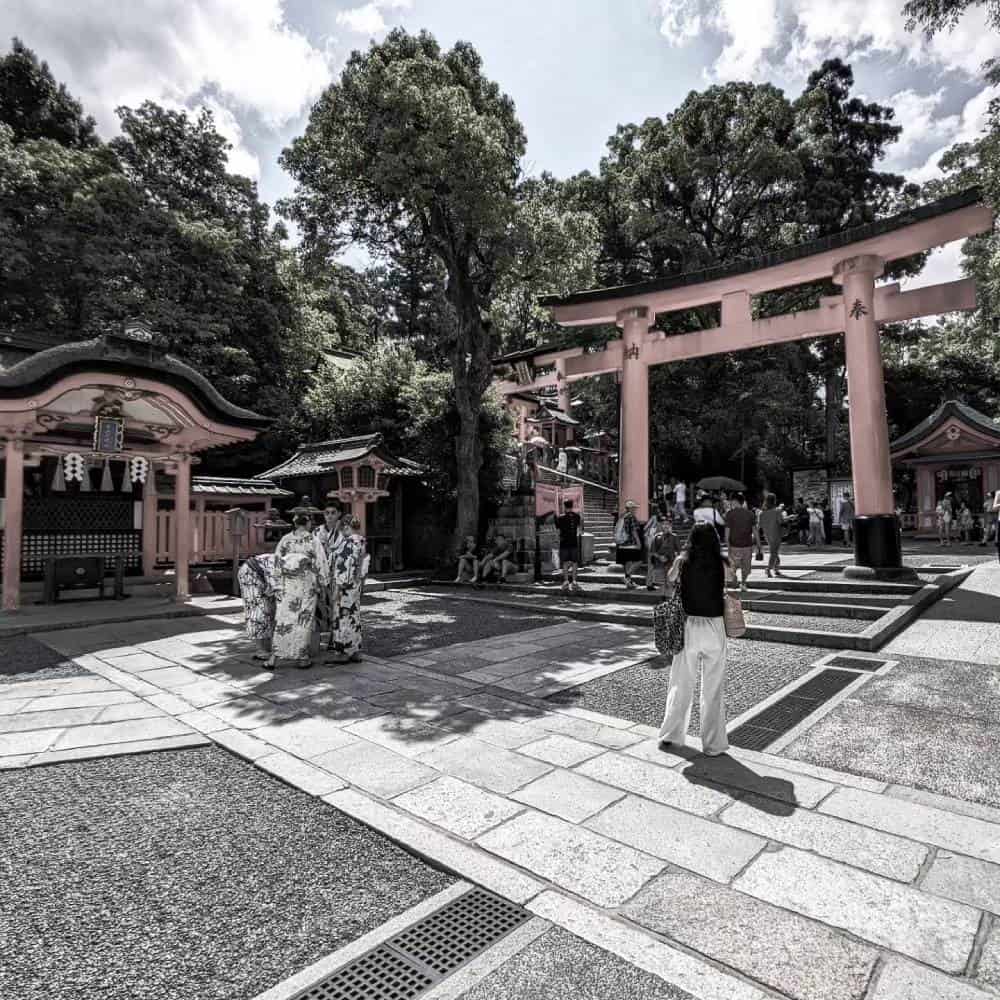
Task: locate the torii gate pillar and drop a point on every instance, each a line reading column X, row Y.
column 633, row 441
column 877, row 550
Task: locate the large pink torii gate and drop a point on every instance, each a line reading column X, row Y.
column 854, row 259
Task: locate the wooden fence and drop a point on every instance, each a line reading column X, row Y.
column 210, row 540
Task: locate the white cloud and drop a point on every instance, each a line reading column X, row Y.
column 241, row 160
column 792, row 37
column 112, row 52
column 921, row 126
column 368, row 19
column 965, row 127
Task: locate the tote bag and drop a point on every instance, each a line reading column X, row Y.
column 736, row 624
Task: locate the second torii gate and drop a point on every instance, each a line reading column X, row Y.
column 854, row 259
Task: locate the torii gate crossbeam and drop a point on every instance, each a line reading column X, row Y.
column 853, row 259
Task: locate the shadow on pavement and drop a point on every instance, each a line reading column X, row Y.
column 726, row 774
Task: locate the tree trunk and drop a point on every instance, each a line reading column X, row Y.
column 834, row 404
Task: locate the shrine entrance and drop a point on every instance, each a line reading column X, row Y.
column 85, row 428
column 853, row 259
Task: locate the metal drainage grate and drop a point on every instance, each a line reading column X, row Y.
column 379, row 974
column 856, row 662
column 425, row 953
column 760, row 731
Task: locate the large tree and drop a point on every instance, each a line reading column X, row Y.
column 416, row 143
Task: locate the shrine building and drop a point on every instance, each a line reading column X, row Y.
column 99, row 441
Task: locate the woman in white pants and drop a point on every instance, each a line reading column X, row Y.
column 702, row 572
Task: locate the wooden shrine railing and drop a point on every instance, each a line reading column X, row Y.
column 210, row 536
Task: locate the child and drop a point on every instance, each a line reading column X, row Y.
column 501, row 558
column 468, row 561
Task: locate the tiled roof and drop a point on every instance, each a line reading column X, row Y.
column 319, row 459
column 226, row 486
column 951, row 409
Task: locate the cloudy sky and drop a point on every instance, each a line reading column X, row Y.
column 575, row 68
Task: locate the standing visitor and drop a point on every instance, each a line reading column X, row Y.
column 965, row 523
column 815, row 523
column 680, row 498
column 802, row 521
column 654, row 527
column 827, row 522
column 349, row 577
column 628, row 543
column 772, row 522
column 989, row 520
column 330, row 535
column 739, row 538
column 944, row 512
column 256, row 579
column 562, row 462
column 663, row 550
column 569, row 524
column 847, row 519
column 701, row 572
column 707, row 513
column 301, row 571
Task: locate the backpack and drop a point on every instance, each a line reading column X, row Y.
column 621, row 533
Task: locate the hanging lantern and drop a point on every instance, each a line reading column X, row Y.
column 75, row 467
column 138, row 468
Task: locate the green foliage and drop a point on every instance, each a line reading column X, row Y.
column 36, row 107
column 414, row 150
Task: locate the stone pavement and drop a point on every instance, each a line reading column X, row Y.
column 734, row 878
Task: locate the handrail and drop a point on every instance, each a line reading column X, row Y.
column 577, row 479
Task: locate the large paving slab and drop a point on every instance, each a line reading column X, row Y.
column 305, row 736
column 592, row 866
column 967, row 880
column 103, row 734
column 902, row 980
column 376, row 769
column 567, row 795
column 962, row 834
column 788, row 952
column 873, row 850
column 710, row 849
column 936, row 931
column 409, row 737
column 492, row 767
column 457, row 806
column 988, row 973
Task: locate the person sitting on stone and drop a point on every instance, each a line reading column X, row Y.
column 499, row 559
column 468, row 561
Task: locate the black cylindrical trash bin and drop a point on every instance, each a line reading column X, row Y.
column 877, row 541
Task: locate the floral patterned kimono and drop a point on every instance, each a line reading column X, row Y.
column 349, row 577
column 301, row 571
column 256, row 579
column 326, row 608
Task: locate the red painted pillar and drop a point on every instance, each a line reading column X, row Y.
column 149, row 521
column 633, row 448
column 182, row 527
column 13, row 523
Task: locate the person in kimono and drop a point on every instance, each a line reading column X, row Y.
column 331, row 536
column 349, row 579
column 256, row 579
column 301, row 571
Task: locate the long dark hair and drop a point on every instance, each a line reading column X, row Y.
column 703, row 551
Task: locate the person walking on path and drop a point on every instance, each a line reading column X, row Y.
column 680, row 502
column 815, row 523
column 301, row 571
column 569, row 524
column 847, row 519
column 628, row 543
column 989, row 520
column 739, row 538
column 349, row 578
column 701, row 572
column 707, row 513
column 662, row 547
column 945, row 511
column 772, row 521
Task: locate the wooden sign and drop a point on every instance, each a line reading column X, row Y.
column 109, row 435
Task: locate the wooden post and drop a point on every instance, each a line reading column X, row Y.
column 182, row 527
column 13, row 523
column 150, row 503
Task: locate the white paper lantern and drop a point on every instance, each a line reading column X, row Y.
column 138, row 468
column 75, row 467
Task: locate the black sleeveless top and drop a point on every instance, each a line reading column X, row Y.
column 702, row 589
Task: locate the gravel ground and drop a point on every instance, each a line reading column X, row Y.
column 186, row 875
column 756, row 669
column 25, row 659
column 399, row 622
column 817, row 623
column 954, row 556
column 930, row 724
column 558, row 965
